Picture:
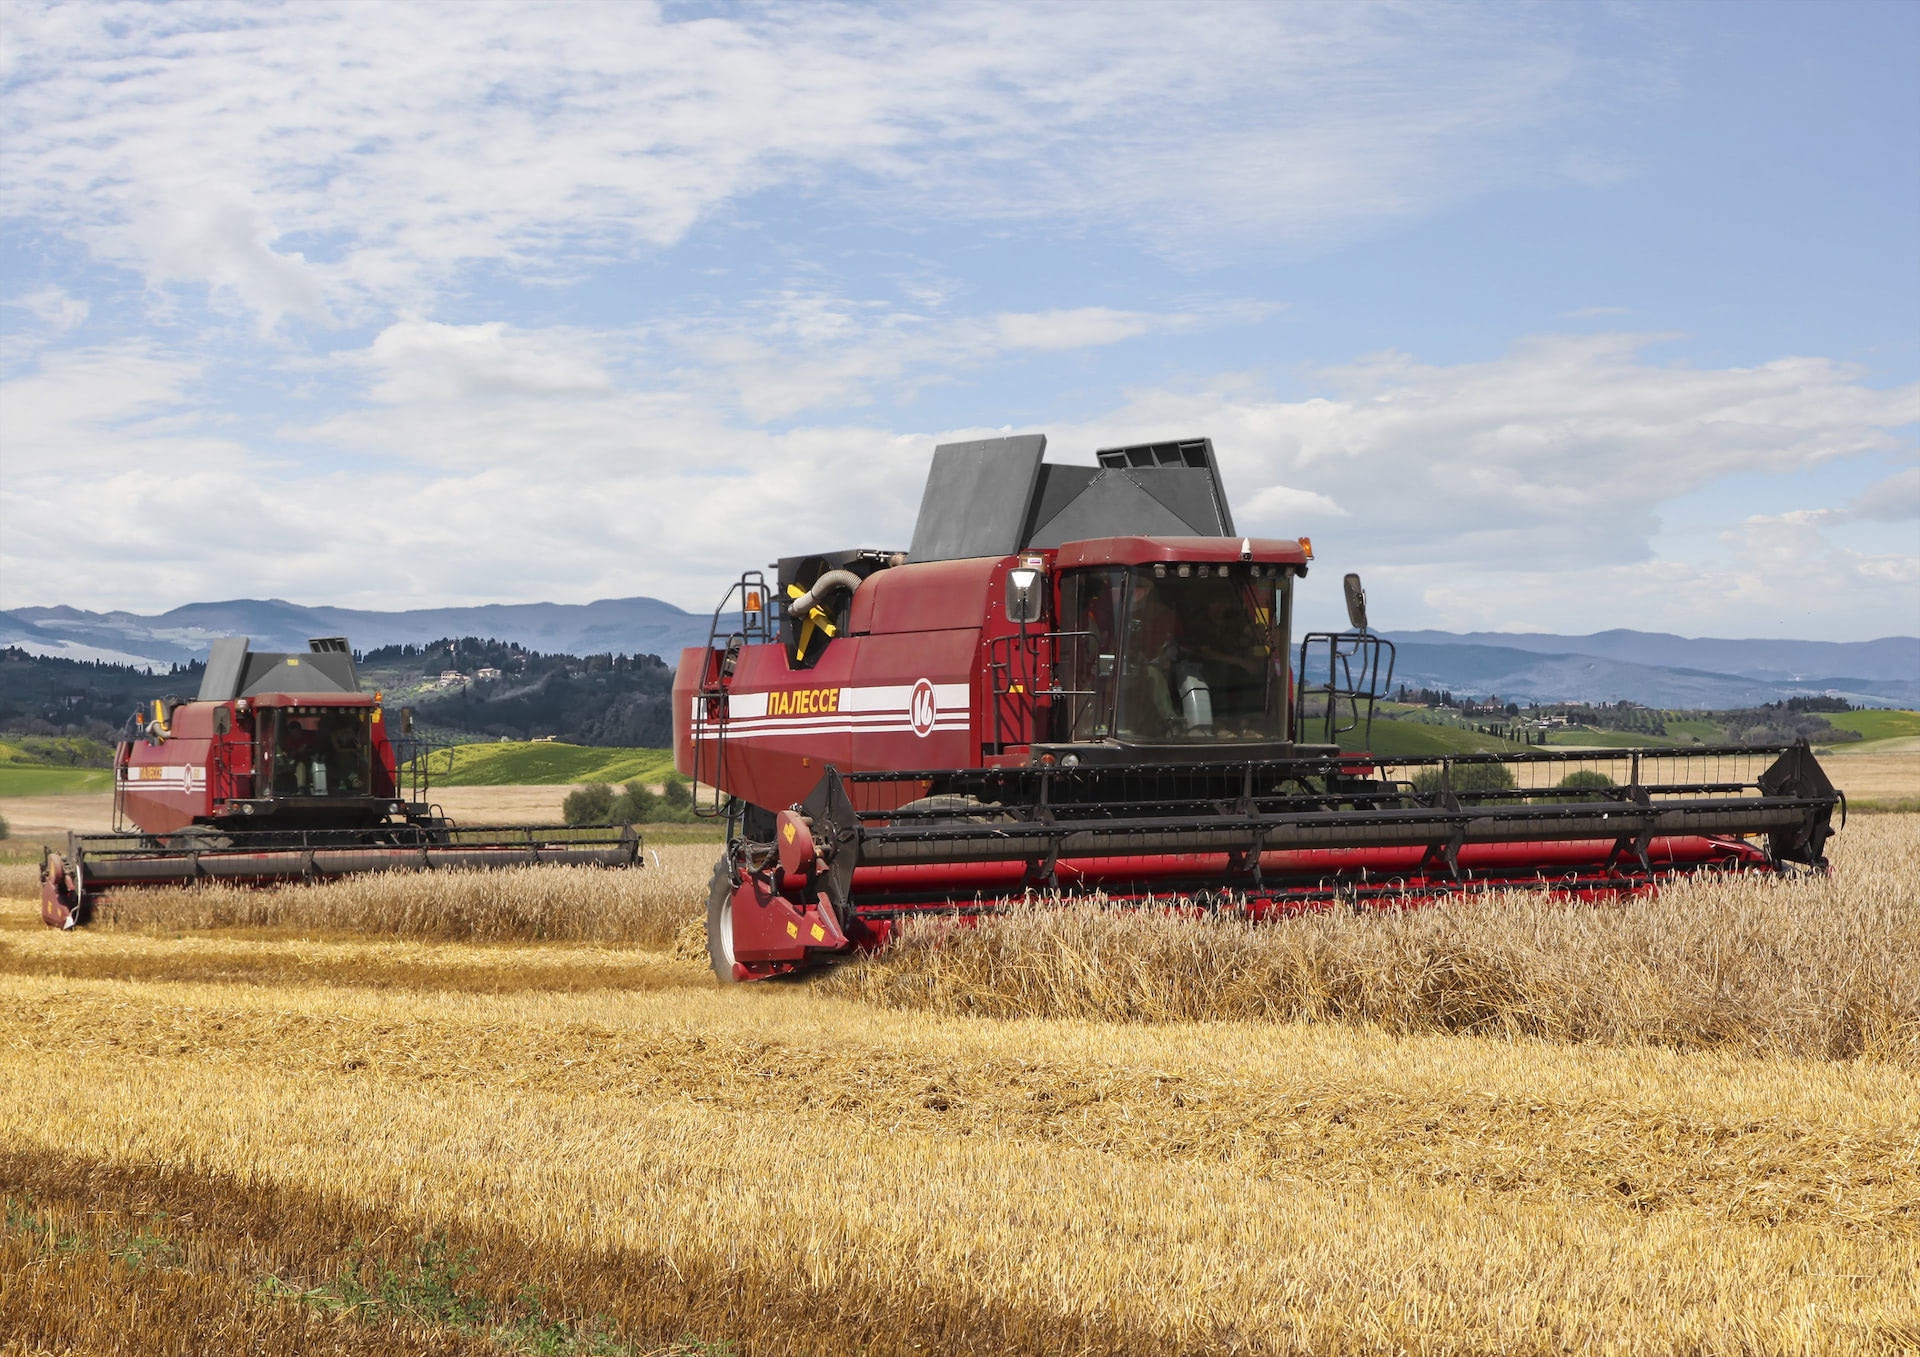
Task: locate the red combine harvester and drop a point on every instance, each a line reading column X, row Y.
column 1082, row 679
column 284, row 770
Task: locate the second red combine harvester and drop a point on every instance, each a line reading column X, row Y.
column 1082, row 679
column 284, row 770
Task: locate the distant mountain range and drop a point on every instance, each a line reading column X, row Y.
column 1570, row 675
column 1892, row 657
column 644, row 626
column 1649, row 667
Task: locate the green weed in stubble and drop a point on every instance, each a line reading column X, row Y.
column 139, row 1249
column 430, row 1290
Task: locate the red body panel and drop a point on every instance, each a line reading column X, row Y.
column 899, row 689
column 904, row 687
column 1147, row 550
column 195, row 774
column 170, row 785
column 1571, row 861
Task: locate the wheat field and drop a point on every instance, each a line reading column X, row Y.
column 1821, row 967
column 411, row 1114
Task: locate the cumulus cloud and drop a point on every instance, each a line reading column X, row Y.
column 1275, row 503
column 314, row 160
column 1082, row 327
column 53, row 307
column 798, row 352
column 1556, row 455
column 422, row 360
column 487, row 463
column 1893, row 500
column 79, row 410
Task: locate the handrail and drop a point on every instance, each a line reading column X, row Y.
column 1346, row 651
column 1044, row 653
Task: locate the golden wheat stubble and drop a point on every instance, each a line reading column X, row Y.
column 776, row 1175
column 552, row 1101
column 197, row 1282
column 1272, row 1114
column 885, row 1238
column 276, row 957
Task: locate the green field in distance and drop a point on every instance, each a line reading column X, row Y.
column 1877, row 725
column 26, row 779
column 537, row 764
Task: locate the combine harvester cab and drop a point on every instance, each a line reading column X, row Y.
column 1081, row 679
column 283, row 769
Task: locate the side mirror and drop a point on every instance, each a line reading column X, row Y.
column 1356, row 602
column 1026, row 595
column 406, row 720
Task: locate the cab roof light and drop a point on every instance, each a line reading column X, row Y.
column 1306, row 547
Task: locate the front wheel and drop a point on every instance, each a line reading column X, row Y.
column 60, row 897
column 720, row 921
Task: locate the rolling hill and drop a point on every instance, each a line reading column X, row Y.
column 1533, row 676
column 633, row 626
column 1652, row 668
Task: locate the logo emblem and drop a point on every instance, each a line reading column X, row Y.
column 921, row 708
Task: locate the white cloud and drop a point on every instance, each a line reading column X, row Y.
column 214, row 233
column 54, row 307
column 309, row 160
column 1277, row 502
column 493, row 464
column 1080, row 328
column 82, row 410
column 797, row 352
column 1893, row 500
column 421, row 360
column 1557, row 455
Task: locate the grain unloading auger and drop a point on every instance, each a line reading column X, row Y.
column 1080, row 679
column 284, row 770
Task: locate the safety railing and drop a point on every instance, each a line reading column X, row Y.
column 1339, row 672
column 757, row 612
column 1032, row 686
column 417, row 761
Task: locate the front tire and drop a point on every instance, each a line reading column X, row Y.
column 720, row 921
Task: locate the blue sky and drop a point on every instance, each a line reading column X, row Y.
column 1543, row 318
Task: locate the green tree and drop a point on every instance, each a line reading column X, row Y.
column 636, row 805
column 588, row 805
column 1467, row 777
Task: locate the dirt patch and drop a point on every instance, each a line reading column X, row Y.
column 53, row 816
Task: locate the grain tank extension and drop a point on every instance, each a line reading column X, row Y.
column 282, row 769
column 1083, row 679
